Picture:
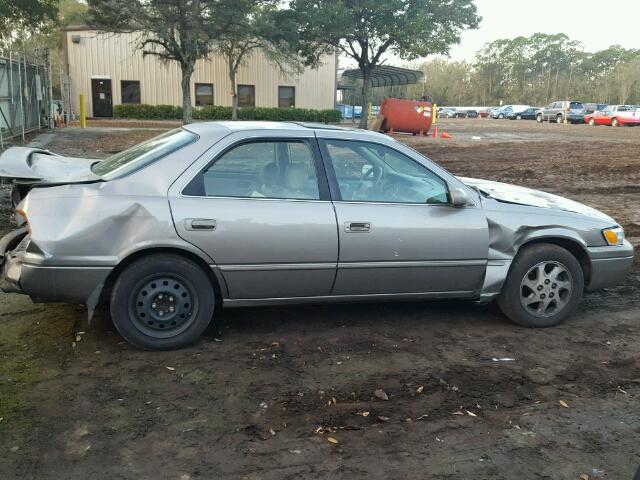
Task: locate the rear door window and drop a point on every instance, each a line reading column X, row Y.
column 261, row 169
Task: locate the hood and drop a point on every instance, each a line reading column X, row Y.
column 505, row 192
column 37, row 165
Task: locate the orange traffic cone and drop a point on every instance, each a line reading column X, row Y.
column 445, row 135
column 435, row 132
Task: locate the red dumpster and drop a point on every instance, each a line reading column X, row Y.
column 410, row 116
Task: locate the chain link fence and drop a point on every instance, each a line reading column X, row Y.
column 23, row 96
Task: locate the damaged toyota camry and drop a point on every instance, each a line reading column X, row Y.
column 251, row 214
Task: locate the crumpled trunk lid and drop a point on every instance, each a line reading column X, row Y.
column 34, row 165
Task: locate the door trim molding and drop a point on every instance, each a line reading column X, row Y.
column 413, row 264
column 277, row 267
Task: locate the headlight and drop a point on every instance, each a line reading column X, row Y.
column 613, row 236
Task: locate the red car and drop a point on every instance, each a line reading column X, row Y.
column 614, row 115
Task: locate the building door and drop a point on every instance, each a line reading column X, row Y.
column 101, row 95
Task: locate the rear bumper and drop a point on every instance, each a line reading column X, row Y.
column 69, row 284
column 609, row 265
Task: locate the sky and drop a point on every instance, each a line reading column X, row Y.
column 598, row 24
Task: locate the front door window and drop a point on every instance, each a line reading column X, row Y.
column 369, row 172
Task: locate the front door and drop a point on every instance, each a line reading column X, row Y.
column 101, row 96
column 398, row 232
column 261, row 210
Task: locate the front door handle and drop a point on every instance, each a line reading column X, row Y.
column 200, row 224
column 357, row 227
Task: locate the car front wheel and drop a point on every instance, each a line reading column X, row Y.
column 544, row 286
column 539, row 118
column 592, row 122
column 162, row 302
column 614, row 122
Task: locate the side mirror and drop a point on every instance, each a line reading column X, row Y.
column 459, row 196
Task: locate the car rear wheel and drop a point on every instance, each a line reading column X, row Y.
column 544, row 286
column 518, row 117
column 501, row 116
column 614, row 122
column 559, row 119
column 592, row 122
column 539, row 118
column 162, row 302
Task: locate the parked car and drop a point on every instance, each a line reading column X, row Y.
column 238, row 214
column 615, row 116
column 593, row 107
column 446, row 112
column 528, row 114
column 502, row 112
column 557, row 111
column 472, row 113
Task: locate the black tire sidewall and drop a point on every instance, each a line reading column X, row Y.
column 121, row 297
column 509, row 299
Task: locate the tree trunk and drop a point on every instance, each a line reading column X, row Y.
column 234, row 94
column 366, row 93
column 187, row 116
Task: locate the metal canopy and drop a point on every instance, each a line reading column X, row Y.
column 385, row 76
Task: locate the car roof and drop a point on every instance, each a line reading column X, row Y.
column 221, row 127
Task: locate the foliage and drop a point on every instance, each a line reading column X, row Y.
column 175, row 31
column 366, row 30
column 166, row 112
column 257, row 28
column 20, row 15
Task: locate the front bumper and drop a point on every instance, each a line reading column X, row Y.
column 47, row 283
column 609, row 265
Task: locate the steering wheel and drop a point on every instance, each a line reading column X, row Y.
column 374, row 174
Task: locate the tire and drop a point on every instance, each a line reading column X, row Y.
column 523, row 301
column 162, row 302
column 518, row 117
column 539, row 118
column 592, row 122
column 501, row 116
column 615, row 122
column 559, row 119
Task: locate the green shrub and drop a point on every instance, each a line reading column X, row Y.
column 215, row 112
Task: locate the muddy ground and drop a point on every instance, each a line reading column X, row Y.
column 263, row 393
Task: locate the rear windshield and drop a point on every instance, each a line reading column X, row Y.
column 143, row 154
column 576, row 106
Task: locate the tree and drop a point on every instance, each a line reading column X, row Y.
column 258, row 29
column 174, row 30
column 366, row 30
column 25, row 14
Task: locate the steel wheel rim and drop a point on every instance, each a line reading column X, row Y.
column 546, row 289
column 163, row 305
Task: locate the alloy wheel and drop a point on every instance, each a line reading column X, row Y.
column 546, row 289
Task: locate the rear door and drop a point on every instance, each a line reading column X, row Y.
column 260, row 208
column 398, row 233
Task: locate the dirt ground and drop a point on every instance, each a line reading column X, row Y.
column 263, row 394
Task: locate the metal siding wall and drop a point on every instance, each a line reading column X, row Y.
column 116, row 56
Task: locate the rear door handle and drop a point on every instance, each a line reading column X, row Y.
column 200, row 224
column 357, row 227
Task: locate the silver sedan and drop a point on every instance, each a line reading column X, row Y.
column 240, row 214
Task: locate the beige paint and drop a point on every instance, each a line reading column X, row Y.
column 115, row 56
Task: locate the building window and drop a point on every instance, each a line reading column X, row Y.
column 246, row 95
column 286, row 97
column 204, row 94
column 130, row 91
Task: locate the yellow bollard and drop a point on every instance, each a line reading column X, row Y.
column 434, row 113
column 83, row 113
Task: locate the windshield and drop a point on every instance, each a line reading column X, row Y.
column 143, row 154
